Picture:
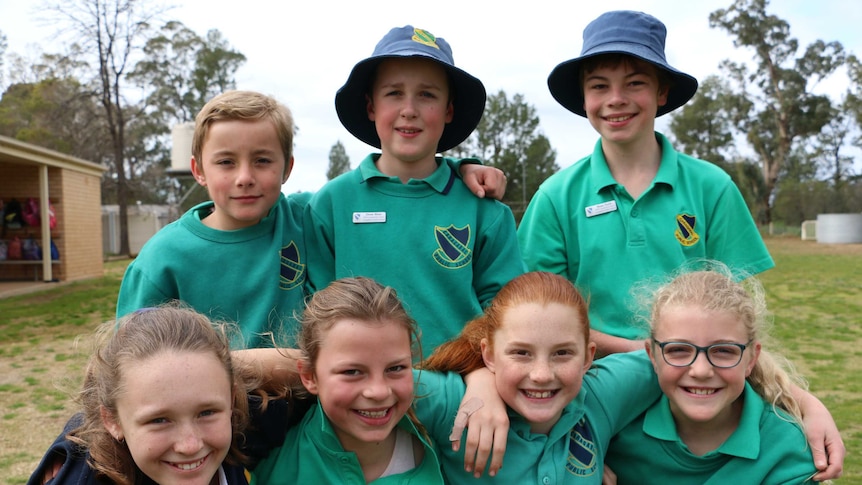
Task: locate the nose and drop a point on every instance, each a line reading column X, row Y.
column 245, row 175
column 701, row 367
column 617, row 96
column 188, row 440
column 377, row 390
column 408, row 109
column 541, row 372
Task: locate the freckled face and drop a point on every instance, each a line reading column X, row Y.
column 175, row 416
column 243, row 168
column 701, row 394
column 539, row 358
column 364, row 380
column 409, row 105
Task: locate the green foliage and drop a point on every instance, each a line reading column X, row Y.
column 508, row 137
column 339, row 162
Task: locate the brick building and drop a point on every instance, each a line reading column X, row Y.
column 72, row 186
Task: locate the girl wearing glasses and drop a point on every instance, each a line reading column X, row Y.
column 727, row 414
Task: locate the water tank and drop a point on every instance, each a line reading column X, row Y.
column 181, row 148
column 839, row 228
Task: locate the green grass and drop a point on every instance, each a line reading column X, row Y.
column 815, row 294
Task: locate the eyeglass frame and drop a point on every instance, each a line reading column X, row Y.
column 705, row 350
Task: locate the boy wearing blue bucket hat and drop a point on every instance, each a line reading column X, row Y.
column 635, row 208
column 403, row 217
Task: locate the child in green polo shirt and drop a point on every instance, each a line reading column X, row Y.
column 635, row 208
column 727, row 416
column 403, row 217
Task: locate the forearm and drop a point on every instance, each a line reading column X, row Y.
column 608, row 344
column 276, row 368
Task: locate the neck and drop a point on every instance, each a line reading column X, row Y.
column 633, row 165
column 373, row 457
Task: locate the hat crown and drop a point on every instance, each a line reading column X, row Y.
column 411, row 41
column 638, row 29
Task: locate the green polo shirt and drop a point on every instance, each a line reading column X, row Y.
column 311, row 453
column 766, row 448
column 585, row 226
column 446, row 251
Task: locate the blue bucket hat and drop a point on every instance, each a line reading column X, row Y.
column 637, row 34
column 467, row 92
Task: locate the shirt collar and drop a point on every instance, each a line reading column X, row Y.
column 439, row 180
column 668, row 170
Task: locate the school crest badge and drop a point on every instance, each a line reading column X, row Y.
column 453, row 246
column 292, row 269
column 685, row 233
column 582, row 451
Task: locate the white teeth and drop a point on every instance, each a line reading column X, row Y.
column 372, row 414
column 539, row 394
column 701, row 392
column 190, row 466
column 618, row 119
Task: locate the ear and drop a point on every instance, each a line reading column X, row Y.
column 109, row 421
column 198, row 173
column 591, row 354
column 663, row 92
column 487, row 354
column 755, row 354
column 288, row 167
column 307, row 376
column 450, row 112
column 369, row 108
column 649, row 352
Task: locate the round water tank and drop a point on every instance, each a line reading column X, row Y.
column 181, row 148
column 839, row 228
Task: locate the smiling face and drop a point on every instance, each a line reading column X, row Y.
column 243, row 168
column 621, row 100
column 702, row 396
column 174, row 414
column 409, row 105
column 363, row 378
column 539, row 358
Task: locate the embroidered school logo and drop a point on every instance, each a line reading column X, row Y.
column 685, row 230
column 453, row 250
column 582, row 451
column 292, row 269
column 425, row 37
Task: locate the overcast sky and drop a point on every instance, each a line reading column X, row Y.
column 302, row 52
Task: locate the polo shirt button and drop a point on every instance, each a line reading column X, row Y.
column 635, row 213
column 546, row 480
column 344, row 459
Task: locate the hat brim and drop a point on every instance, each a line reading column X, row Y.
column 468, row 101
column 564, row 81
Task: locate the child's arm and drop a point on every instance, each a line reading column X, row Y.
column 483, row 412
column 825, row 441
column 276, row 368
column 607, row 344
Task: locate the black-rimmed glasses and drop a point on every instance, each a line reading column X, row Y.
column 683, row 354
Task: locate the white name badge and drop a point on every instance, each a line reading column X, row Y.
column 599, row 209
column 368, row 217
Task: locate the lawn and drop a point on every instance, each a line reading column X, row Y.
column 815, row 293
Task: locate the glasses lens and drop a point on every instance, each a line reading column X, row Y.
column 724, row 355
column 679, row 353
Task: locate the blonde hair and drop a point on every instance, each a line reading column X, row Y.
column 717, row 289
column 136, row 337
column 244, row 105
column 463, row 354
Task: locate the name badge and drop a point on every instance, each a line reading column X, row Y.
column 599, row 209
column 368, row 217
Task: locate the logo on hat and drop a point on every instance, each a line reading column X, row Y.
column 685, row 230
column 292, row 269
column 453, row 251
column 424, row 37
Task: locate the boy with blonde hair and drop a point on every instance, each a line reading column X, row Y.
column 403, row 217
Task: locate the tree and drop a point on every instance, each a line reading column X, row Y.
column 339, row 162
column 508, row 137
column 3, row 46
column 112, row 31
column 783, row 110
